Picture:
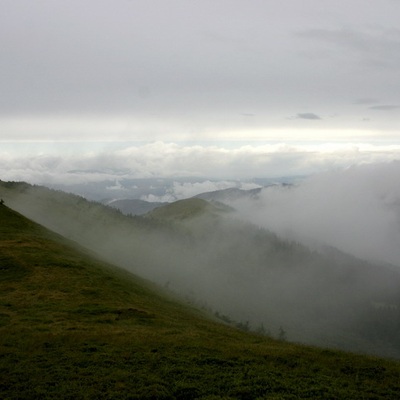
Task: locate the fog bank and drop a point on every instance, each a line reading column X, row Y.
column 356, row 210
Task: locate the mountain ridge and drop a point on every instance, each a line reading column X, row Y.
column 130, row 206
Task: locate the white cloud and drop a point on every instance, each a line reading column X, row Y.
column 117, row 186
column 356, row 210
column 184, row 190
column 159, row 159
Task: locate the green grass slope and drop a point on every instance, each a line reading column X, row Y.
column 73, row 327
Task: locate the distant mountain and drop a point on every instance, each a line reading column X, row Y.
column 134, row 206
column 119, row 188
column 203, row 252
column 140, row 188
column 187, row 210
column 230, row 195
column 141, row 207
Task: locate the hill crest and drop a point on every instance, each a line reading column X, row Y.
column 188, row 209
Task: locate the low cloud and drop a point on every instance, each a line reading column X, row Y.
column 356, row 210
column 366, row 100
column 387, row 107
column 184, row 190
column 173, row 160
column 308, row 116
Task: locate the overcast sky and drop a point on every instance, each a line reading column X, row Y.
column 225, row 79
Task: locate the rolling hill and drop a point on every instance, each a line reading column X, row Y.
column 134, row 206
column 187, row 209
column 73, row 326
column 141, row 207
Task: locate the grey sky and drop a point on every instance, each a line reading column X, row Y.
column 200, row 71
column 185, row 68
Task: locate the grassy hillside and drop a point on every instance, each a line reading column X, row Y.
column 73, row 327
column 239, row 271
column 134, row 206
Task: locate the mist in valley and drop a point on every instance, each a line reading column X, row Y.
column 356, row 210
column 309, row 261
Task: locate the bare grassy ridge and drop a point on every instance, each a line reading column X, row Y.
column 73, row 327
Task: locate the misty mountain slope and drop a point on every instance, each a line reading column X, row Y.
column 187, row 209
column 141, row 207
column 134, row 206
column 72, row 326
column 355, row 210
column 230, row 194
column 323, row 297
column 234, row 268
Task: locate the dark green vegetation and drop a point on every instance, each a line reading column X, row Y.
column 239, row 272
column 73, row 327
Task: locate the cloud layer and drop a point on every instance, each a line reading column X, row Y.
column 75, row 163
column 356, row 210
column 134, row 70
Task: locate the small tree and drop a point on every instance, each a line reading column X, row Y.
column 282, row 334
column 261, row 330
column 243, row 326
